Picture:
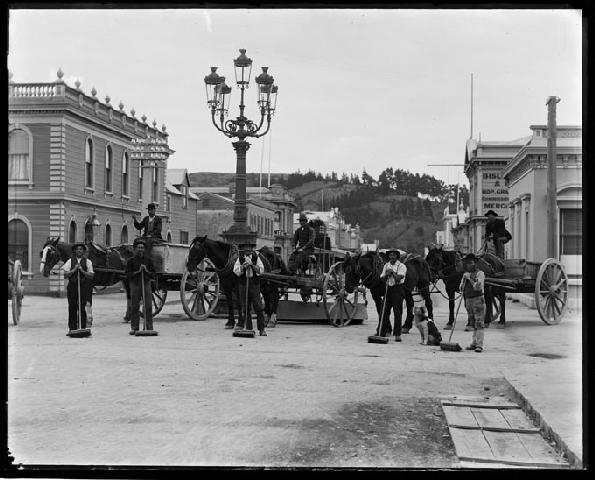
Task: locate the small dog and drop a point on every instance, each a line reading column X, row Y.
column 427, row 329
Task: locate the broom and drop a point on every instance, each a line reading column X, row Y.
column 448, row 346
column 378, row 338
column 245, row 333
column 144, row 332
column 79, row 332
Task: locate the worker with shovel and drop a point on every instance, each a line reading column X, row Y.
column 79, row 271
column 472, row 286
column 393, row 274
column 248, row 267
column 140, row 271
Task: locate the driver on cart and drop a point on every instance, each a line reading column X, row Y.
column 303, row 243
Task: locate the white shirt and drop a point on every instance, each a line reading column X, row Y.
column 398, row 268
column 257, row 269
column 66, row 266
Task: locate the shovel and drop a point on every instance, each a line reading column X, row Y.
column 378, row 338
column 79, row 332
column 144, row 332
column 245, row 333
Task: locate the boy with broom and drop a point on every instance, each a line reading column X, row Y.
column 79, row 271
column 472, row 285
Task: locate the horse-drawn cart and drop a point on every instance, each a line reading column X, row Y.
column 547, row 281
column 15, row 288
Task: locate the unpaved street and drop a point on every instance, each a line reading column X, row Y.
column 305, row 395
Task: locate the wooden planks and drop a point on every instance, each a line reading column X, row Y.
column 497, row 434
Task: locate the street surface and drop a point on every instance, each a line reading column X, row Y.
column 307, row 395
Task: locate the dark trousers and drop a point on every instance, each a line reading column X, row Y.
column 299, row 260
column 253, row 301
column 394, row 301
column 73, row 303
column 135, row 300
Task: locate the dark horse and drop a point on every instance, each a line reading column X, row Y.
column 367, row 268
column 446, row 265
column 105, row 261
column 223, row 255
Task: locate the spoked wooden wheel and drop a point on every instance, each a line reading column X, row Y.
column 340, row 305
column 158, row 297
column 551, row 291
column 199, row 291
column 17, row 291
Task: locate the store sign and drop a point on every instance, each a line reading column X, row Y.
column 494, row 194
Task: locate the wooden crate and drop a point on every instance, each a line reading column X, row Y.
column 169, row 257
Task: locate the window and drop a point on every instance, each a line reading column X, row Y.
column 72, row 232
column 169, row 237
column 183, row 237
column 108, row 168
column 89, row 163
column 18, row 242
column 168, row 202
column 18, row 156
column 124, row 234
column 88, row 232
column 108, row 235
column 155, row 186
column 184, row 190
column 140, row 180
column 125, row 174
column 571, row 231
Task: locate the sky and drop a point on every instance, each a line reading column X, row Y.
column 358, row 89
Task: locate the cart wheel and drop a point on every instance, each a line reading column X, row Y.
column 340, row 306
column 199, row 291
column 551, row 291
column 159, row 296
column 17, row 291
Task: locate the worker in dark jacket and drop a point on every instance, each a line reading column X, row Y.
column 140, row 267
column 151, row 224
column 79, row 272
column 303, row 243
column 248, row 268
column 496, row 232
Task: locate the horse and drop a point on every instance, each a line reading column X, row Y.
column 272, row 289
column 223, row 256
column 446, row 265
column 367, row 268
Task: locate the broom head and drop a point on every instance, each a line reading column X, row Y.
column 80, row 333
column 377, row 339
column 244, row 333
column 450, row 347
column 145, row 333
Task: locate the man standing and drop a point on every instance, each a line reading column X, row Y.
column 303, row 243
column 472, row 285
column 248, row 267
column 394, row 275
column 496, row 231
column 79, row 271
column 139, row 268
column 151, row 224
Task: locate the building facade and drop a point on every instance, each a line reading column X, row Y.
column 180, row 217
column 342, row 235
column 72, row 172
column 526, row 180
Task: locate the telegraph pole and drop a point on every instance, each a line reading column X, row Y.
column 552, row 213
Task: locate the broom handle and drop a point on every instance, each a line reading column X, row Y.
column 246, row 309
column 78, row 282
column 454, row 323
column 142, row 279
column 383, row 306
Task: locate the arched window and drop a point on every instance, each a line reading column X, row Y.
column 108, row 235
column 108, row 168
column 18, row 242
column 155, row 186
column 72, row 232
column 140, row 180
column 18, row 156
column 125, row 174
column 88, row 232
column 169, row 237
column 89, row 163
column 124, row 234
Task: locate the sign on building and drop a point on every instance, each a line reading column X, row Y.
column 494, row 194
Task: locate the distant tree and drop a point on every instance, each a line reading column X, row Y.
column 419, row 208
column 367, row 179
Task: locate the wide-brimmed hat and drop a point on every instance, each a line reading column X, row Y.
column 490, row 212
column 151, row 206
column 303, row 217
column 470, row 257
column 394, row 250
column 80, row 244
column 138, row 241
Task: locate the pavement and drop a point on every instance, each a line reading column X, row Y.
column 120, row 400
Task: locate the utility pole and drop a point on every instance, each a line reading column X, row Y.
column 552, row 213
column 471, row 134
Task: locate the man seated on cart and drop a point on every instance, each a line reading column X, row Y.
column 303, row 243
column 151, row 226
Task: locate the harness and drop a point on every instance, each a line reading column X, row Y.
column 231, row 258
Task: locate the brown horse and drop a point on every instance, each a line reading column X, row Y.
column 223, row 256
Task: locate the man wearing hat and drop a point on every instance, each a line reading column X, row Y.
column 140, row 267
column 393, row 273
column 151, row 224
column 77, row 269
column 472, row 287
column 303, row 244
column 496, row 231
column 249, row 266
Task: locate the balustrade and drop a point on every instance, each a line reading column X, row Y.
column 34, row 90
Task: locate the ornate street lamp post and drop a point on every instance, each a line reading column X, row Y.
column 218, row 96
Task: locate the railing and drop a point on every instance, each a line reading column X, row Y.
column 34, row 90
